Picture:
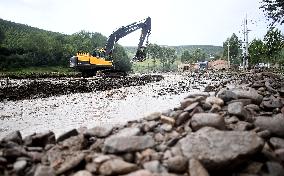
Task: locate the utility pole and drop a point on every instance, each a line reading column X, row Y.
column 229, row 64
column 245, row 51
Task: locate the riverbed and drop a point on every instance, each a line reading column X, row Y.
column 85, row 110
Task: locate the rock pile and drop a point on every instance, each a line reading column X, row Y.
column 236, row 131
column 39, row 88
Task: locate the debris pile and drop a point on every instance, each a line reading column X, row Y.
column 40, row 88
column 233, row 131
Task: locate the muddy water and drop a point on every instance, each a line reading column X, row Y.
column 80, row 110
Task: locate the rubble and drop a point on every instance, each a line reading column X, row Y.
column 235, row 130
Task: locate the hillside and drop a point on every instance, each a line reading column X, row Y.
column 24, row 46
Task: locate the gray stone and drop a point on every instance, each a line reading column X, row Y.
column 198, row 94
column 215, row 108
column 116, row 167
column 92, row 167
column 226, row 95
column 67, row 135
column 130, row 131
column 200, row 120
column 276, row 142
column 140, row 173
column 192, row 99
column 196, row 168
column 101, row 158
column 166, row 127
column 190, row 107
column 175, row 114
column 154, row 166
column 245, row 101
column 159, row 137
column 265, row 134
column 127, row 144
column 19, row 166
column 41, row 139
column 167, row 112
column 214, row 100
column 12, row 153
column 273, row 124
column 231, row 119
column 149, row 126
column 74, row 143
column 269, row 88
column 177, row 164
column 274, row 168
column 272, row 103
column 238, row 109
column 253, row 107
column 43, row 170
column 99, row 131
column 280, row 155
column 220, row 149
column 249, row 93
column 83, row 173
column 242, row 126
column 14, row 137
column 70, row 163
column 153, row 116
column 182, row 118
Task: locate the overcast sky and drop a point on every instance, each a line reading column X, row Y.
column 174, row 22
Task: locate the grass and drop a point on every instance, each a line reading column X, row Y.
column 38, row 72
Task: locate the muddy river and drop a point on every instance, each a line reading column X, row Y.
column 86, row 110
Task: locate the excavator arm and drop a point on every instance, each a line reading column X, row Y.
column 145, row 25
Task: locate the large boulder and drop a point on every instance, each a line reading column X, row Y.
column 273, row 124
column 220, row 149
column 200, row 120
column 249, row 93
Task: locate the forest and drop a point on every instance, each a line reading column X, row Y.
column 23, row 46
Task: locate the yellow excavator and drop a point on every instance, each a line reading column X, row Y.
column 88, row 64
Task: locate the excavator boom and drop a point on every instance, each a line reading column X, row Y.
column 145, row 25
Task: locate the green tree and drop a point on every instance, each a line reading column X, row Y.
column 120, row 59
column 274, row 42
column 235, row 49
column 257, row 52
column 2, row 36
column 186, row 57
column 154, row 52
column 274, row 10
column 198, row 55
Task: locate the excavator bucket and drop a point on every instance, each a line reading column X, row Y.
column 140, row 55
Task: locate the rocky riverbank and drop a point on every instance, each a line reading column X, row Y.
column 236, row 129
column 11, row 89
